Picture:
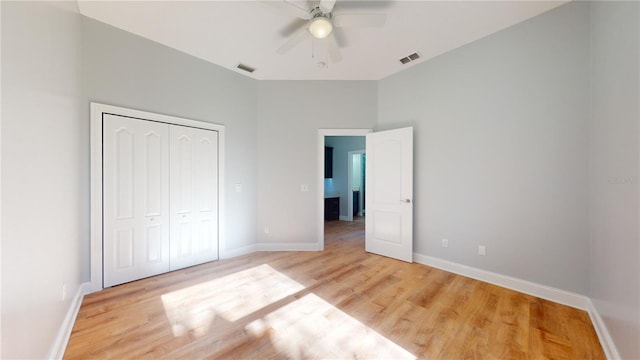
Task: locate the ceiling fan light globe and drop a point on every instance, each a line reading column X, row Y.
column 320, row 28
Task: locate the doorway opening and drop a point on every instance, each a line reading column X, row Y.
column 336, row 195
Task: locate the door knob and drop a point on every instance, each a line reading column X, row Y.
column 406, row 200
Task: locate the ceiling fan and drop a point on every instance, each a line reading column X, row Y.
column 320, row 21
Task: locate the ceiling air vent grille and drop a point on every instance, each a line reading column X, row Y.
column 413, row 57
column 246, row 68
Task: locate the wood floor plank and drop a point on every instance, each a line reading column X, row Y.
column 338, row 303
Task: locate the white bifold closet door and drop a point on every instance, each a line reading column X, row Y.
column 135, row 199
column 193, row 196
column 160, row 198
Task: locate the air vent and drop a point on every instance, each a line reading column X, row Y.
column 246, row 68
column 407, row 59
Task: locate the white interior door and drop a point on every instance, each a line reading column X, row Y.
column 194, row 196
column 135, row 199
column 389, row 196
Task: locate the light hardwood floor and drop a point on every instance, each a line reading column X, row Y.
column 339, row 303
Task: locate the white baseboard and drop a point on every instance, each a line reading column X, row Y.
column 227, row 254
column 524, row 286
column 62, row 339
column 287, row 247
column 608, row 346
column 344, row 218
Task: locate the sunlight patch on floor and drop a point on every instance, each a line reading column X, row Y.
column 310, row 327
column 230, row 297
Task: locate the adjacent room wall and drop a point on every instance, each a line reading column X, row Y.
column 44, row 171
column 501, row 149
column 339, row 184
column 289, row 116
column 614, row 276
column 126, row 70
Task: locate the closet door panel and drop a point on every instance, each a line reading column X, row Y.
column 181, row 197
column 193, row 194
column 135, row 199
column 123, row 147
column 155, row 251
column 206, row 173
column 154, row 173
column 124, row 249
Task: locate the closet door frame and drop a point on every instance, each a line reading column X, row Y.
column 97, row 112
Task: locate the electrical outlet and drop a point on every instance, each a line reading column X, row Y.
column 304, row 187
column 445, row 242
column 266, row 229
column 64, row 291
column 482, row 250
column 238, row 187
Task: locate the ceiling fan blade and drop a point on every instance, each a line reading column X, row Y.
column 333, row 49
column 348, row 20
column 297, row 37
column 326, row 6
column 292, row 27
column 341, row 37
column 290, row 8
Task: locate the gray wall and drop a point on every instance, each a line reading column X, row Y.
column 126, row 70
column 341, row 147
column 614, row 276
column 289, row 116
column 501, row 149
column 44, row 172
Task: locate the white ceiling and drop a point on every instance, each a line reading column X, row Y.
column 230, row 32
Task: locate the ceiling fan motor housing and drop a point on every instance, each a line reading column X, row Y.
column 317, row 12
